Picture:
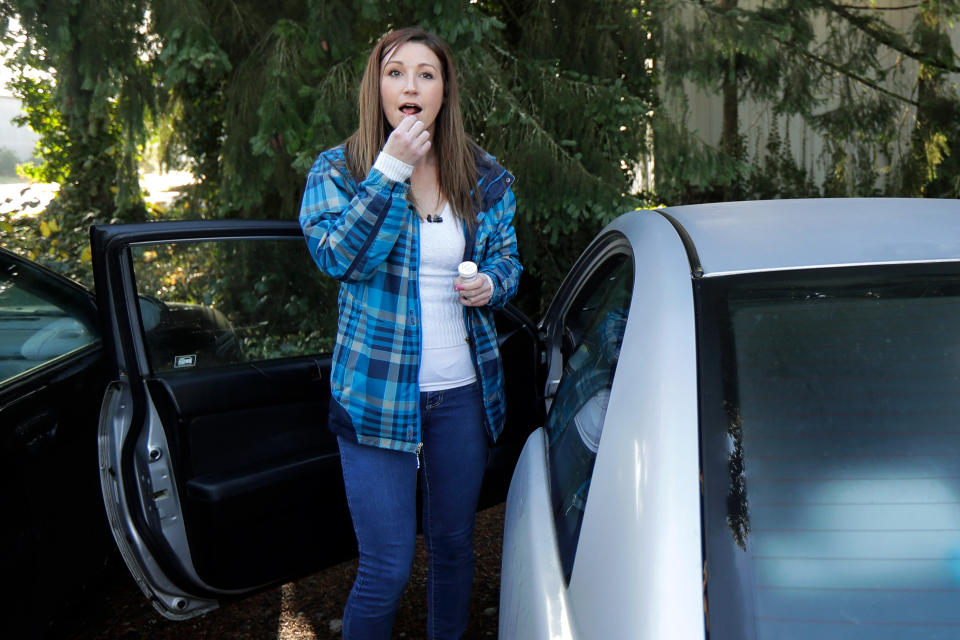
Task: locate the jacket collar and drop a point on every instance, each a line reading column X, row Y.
column 492, row 179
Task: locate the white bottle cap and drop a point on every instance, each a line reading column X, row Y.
column 467, row 270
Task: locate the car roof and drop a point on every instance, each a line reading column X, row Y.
column 766, row 235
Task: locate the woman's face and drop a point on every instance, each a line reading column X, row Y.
column 411, row 83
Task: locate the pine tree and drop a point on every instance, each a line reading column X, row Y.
column 839, row 68
column 246, row 94
column 88, row 112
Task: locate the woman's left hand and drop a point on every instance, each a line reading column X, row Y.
column 475, row 293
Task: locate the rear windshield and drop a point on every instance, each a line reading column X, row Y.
column 830, row 440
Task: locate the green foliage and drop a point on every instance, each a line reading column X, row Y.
column 779, row 175
column 84, row 88
column 245, row 95
column 564, row 103
column 832, row 66
column 697, row 172
column 41, row 115
column 278, row 313
column 932, row 167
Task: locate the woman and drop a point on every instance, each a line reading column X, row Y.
column 417, row 384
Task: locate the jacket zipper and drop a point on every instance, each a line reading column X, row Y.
column 416, row 288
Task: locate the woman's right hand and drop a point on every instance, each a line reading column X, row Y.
column 409, row 142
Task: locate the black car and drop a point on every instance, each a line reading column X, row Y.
column 183, row 408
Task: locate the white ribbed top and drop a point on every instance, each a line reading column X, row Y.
column 445, row 361
column 445, row 357
column 441, row 250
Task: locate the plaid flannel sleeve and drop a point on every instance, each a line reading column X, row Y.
column 351, row 228
column 501, row 261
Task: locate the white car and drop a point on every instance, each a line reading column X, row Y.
column 753, row 430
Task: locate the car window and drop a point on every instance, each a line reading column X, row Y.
column 831, row 457
column 39, row 321
column 592, row 335
column 214, row 303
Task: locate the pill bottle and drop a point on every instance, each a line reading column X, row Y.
column 467, row 271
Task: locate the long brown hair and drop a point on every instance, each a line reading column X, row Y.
column 456, row 167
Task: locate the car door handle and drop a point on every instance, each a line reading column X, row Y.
column 37, row 431
column 316, row 372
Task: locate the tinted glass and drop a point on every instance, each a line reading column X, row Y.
column 215, row 303
column 592, row 334
column 39, row 321
column 831, row 456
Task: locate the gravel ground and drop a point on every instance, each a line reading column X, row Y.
column 308, row 609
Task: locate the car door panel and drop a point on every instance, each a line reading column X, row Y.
column 260, row 472
column 520, row 353
column 219, row 472
column 230, row 478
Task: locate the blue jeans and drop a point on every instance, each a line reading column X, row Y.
column 381, row 487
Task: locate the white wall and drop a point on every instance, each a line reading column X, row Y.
column 20, row 140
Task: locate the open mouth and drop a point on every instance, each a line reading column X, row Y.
column 410, row 109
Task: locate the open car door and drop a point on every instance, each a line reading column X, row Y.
column 218, row 472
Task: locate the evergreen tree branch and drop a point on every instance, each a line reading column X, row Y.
column 540, row 130
column 545, row 135
column 846, row 72
column 886, row 36
column 863, row 8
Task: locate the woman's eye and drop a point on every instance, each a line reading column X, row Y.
column 394, row 73
column 426, row 75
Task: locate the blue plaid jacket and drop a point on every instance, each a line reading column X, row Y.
column 366, row 235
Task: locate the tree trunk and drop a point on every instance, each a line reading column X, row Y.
column 730, row 134
column 921, row 169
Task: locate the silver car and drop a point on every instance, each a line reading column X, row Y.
column 753, row 430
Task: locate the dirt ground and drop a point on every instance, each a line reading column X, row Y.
column 308, row 609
